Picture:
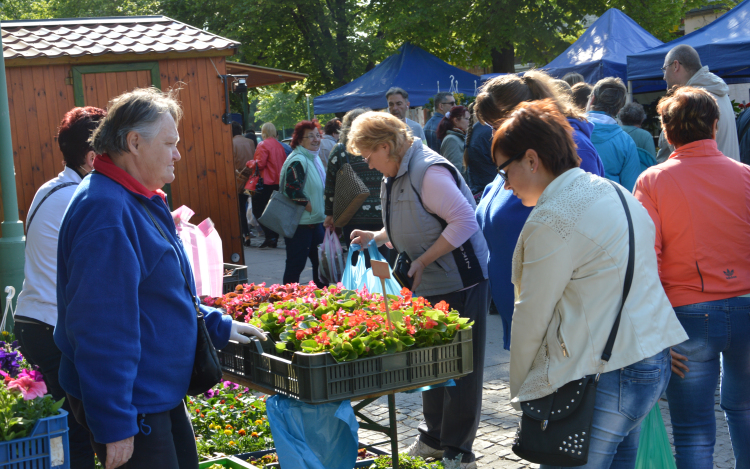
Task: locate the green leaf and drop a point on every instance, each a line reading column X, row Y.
column 280, row 346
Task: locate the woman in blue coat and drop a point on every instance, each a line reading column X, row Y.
column 500, row 214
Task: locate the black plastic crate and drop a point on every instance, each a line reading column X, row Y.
column 237, row 277
column 365, row 463
column 318, row 378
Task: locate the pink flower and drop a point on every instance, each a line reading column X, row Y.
column 29, row 388
column 33, row 374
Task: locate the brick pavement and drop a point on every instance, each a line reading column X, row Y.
column 499, row 420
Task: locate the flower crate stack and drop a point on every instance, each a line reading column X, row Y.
column 33, row 428
column 331, row 344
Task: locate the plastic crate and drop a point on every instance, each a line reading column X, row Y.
column 238, row 276
column 232, row 359
column 317, row 378
column 229, row 462
column 45, row 448
column 364, row 463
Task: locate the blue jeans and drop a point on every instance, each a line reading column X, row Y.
column 623, row 399
column 719, row 341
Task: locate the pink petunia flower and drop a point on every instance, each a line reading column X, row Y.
column 33, row 374
column 29, row 388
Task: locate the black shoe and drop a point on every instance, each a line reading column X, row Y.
column 246, row 241
column 269, row 243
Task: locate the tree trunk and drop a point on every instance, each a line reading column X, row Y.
column 503, row 61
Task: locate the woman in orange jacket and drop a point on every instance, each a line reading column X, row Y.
column 699, row 200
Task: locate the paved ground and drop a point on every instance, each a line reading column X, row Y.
column 499, row 420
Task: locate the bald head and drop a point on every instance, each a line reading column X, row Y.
column 680, row 64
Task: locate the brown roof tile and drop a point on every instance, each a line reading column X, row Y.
column 76, row 37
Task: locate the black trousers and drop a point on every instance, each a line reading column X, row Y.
column 164, row 440
column 302, row 246
column 242, row 202
column 451, row 414
column 260, row 200
column 38, row 346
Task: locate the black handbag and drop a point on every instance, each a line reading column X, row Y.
column 401, row 270
column 556, row 430
column 206, row 367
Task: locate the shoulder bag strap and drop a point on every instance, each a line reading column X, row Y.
column 163, row 235
column 607, row 353
column 282, row 177
column 52, row 191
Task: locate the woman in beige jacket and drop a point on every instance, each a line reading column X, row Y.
column 568, row 270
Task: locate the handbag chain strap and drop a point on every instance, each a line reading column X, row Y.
column 163, row 235
column 607, row 353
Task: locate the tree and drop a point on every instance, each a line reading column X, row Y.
column 285, row 107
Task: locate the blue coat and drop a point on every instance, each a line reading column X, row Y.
column 126, row 320
column 501, row 217
column 430, row 132
column 618, row 153
column 482, row 169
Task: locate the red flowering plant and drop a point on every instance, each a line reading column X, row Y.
column 351, row 324
column 23, row 394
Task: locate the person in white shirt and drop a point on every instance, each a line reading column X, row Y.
column 36, row 314
column 398, row 106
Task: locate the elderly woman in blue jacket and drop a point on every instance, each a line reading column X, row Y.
column 127, row 304
column 500, row 214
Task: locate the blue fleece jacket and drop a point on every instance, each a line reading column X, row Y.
column 501, row 217
column 127, row 323
column 617, row 151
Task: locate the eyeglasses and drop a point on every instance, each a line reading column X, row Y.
column 313, row 136
column 664, row 68
column 500, row 168
column 451, row 104
column 367, row 158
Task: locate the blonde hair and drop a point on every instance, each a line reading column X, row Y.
column 268, row 130
column 499, row 96
column 375, row 128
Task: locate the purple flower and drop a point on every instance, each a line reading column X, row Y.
column 209, row 394
column 9, row 362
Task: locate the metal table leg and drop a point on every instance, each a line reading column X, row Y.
column 391, row 430
column 394, row 430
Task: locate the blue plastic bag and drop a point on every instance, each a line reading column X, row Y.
column 307, row 436
column 358, row 276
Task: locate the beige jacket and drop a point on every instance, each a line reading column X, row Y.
column 568, row 270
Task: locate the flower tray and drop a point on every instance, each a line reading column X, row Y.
column 46, row 448
column 317, row 378
column 231, row 462
column 237, row 274
column 361, row 463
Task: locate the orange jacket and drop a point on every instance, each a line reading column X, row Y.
column 270, row 156
column 699, row 201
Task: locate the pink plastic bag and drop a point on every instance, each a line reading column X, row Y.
column 202, row 244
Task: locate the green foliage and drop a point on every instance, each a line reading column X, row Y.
column 43, row 9
column 285, row 106
column 18, row 416
column 405, row 462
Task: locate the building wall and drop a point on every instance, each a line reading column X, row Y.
column 696, row 22
column 39, row 96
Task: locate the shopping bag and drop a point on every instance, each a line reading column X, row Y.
column 251, row 221
column 654, row 450
column 331, row 258
column 307, row 436
column 203, row 247
column 359, row 276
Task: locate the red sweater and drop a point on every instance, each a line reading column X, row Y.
column 699, row 201
column 271, row 156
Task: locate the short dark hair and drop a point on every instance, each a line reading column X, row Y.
column 236, row 129
column 440, row 97
column 75, row 131
column 632, row 114
column 581, row 93
column 688, row 114
column 609, row 95
column 333, row 126
column 540, row 126
column 687, row 56
column 573, row 78
column 396, row 90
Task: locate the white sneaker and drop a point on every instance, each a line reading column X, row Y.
column 423, row 451
column 457, row 464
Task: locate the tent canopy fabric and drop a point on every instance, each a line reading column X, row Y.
column 602, row 50
column 723, row 45
column 411, row 68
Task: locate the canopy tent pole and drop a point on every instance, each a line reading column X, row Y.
column 630, row 91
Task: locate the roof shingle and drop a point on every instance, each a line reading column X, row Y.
column 76, row 37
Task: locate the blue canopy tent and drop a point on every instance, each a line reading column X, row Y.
column 723, row 45
column 602, row 50
column 411, row 68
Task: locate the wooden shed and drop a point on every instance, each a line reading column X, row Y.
column 55, row 65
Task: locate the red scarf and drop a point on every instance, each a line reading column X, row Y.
column 105, row 165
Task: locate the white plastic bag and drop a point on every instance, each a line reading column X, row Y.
column 331, row 258
column 203, row 247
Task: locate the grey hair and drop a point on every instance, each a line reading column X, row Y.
column 572, row 78
column 135, row 111
column 346, row 122
column 687, row 56
column 440, row 97
column 396, row 90
column 609, row 95
column 632, row 114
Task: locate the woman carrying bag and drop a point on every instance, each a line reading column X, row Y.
column 572, row 268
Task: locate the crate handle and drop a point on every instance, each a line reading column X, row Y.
column 262, row 353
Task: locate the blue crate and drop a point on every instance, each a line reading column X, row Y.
column 47, row 444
